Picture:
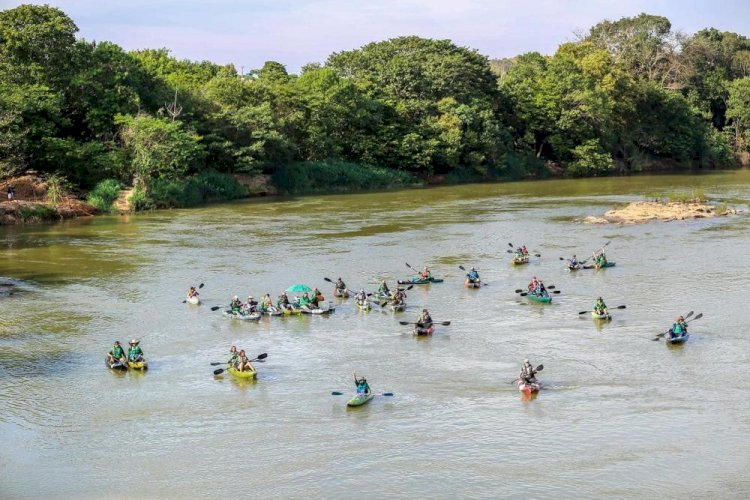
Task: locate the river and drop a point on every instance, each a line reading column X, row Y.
column 619, row 414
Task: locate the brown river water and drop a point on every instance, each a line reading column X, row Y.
column 619, row 414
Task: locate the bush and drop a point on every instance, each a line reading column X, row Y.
column 104, row 194
column 336, row 176
column 139, row 200
column 57, row 189
column 590, row 159
column 201, row 188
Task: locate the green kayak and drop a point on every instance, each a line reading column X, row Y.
column 605, row 317
column 540, row 298
column 608, row 264
column 360, row 399
column 419, row 281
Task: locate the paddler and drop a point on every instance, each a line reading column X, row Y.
column 524, row 251
column 243, row 363
column 383, row 290
column 527, row 373
column 135, row 353
column 533, row 284
column 116, row 354
column 251, row 306
column 233, row 357
column 316, row 298
column 426, row 274
column 361, row 297
column 473, row 275
column 397, row 298
column 362, row 386
column 600, row 307
column 679, row 328
column 235, row 305
column 192, row 292
column 283, row 302
column 340, row 285
column 424, row 320
column 305, row 301
column 574, row 261
column 266, row 303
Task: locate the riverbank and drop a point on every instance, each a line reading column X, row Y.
column 31, row 205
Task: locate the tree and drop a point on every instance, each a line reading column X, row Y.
column 738, row 112
column 36, row 44
column 158, row 148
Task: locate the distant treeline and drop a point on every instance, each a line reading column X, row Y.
column 629, row 95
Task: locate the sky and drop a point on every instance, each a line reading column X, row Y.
column 249, row 32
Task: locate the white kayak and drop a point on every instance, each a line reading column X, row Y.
column 242, row 316
column 195, row 300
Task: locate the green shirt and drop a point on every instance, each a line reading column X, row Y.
column 117, row 352
column 134, row 352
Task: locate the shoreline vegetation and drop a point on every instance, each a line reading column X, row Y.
column 103, row 130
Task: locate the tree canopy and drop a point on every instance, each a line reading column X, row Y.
column 628, row 95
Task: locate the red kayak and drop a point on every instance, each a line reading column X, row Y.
column 528, row 388
column 419, row 330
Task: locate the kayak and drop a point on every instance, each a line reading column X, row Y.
column 573, row 268
column 538, row 298
column 381, row 296
column 137, row 365
column 398, row 307
column 605, row 317
column 243, row 375
column 364, row 307
column 419, row 330
column 194, row 300
column 272, row 312
column 115, row 366
column 318, row 310
column 517, row 261
column 528, row 388
column 677, row 340
column 419, row 281
column 242, row 316
column 608, row 264
column 360, row 399
column 473, row 284
column 343, row 294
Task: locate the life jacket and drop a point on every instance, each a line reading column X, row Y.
column 473, row 275
column 117, row 352
column 363, row 387
column 134, row 352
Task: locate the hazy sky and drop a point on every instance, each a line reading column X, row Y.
column 249, row 32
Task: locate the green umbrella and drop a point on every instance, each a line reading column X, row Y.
column 299, row 288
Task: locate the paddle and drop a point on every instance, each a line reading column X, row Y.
column 407, row 265
column 444, row 323
column 261, row 358
column 600, row 248
column 618, row 307
column 338, row 393
column 199, row 287
column 697, row 316
column 222, row 370
column 537, row 369
column 524, row 294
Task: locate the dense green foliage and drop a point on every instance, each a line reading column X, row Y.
column 104, row 194
column 332, row 176
column 630, row 95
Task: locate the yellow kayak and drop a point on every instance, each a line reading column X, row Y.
column 137, row 365
column 244, row 375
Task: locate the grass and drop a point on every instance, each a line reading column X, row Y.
column 694, row 196
column 37, row 213
column 104, row 194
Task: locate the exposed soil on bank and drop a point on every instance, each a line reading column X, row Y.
column 30, row 204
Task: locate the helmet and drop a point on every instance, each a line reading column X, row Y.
column 525, row 361
column 235, row 298
column 249, row 296
column 134, row 342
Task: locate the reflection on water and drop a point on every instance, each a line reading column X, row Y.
column 619, row 414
